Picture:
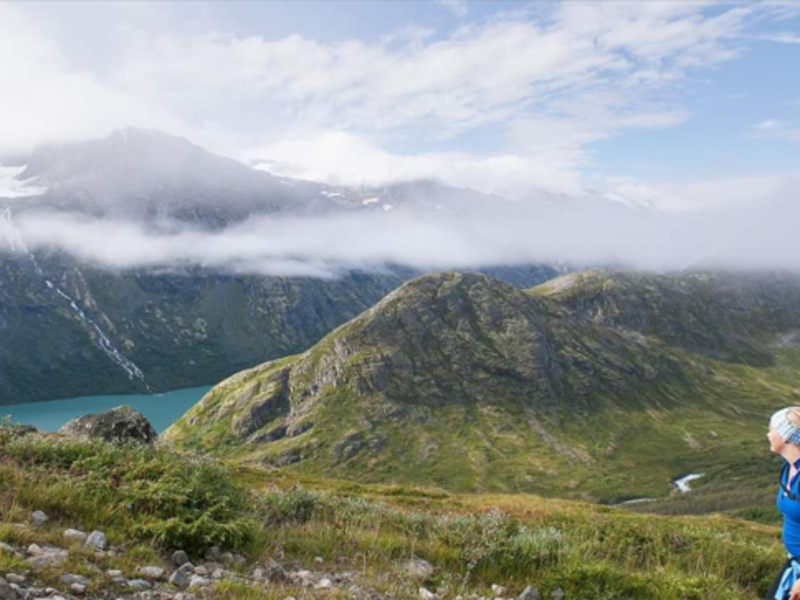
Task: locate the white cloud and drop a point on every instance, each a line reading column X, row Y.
column 544, row 83
column 45, row 99
column 776, row 129
column 342, row 158
column 457, row 7
column 745, row 192
column 584, row 232
column 783, row 37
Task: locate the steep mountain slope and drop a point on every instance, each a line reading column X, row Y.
column 730, row 316
column 72, row 331
column 463, row 381
column 69, row 328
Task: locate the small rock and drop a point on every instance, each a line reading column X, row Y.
column 187, row 568
column 218, row 574
column 114, row 573
column 48, row 557
column 418, row 568
column 179, row 558
column 558, row 594
column 97, row 539
column 239, row 560
column 34, row 550
column 39, row 518
column 212, row 553
column 498, row 590
column 179, row 579
column 318, row 560
column 7, row 548
column 78, row 589
column 427, row 594
column 151, row 572
column 324, row 584
column 303, row 577
column 201, row 570
column 6, row 591
column 139, row 584
column 530, row 593
column 199, row 581
column 15, row 578
column 69, row 578
column 74, row 534
column 275, row 572
column 227, row 557
column 259, row 574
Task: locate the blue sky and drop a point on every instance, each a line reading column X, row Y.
column 678, row 105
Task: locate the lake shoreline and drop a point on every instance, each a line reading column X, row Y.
column 160, row 409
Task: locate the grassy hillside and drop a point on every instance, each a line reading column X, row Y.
column 151, row 501
column 580, row 388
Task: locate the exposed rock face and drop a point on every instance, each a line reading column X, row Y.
column 121, row 424
column 736, row 317
column 463, row 380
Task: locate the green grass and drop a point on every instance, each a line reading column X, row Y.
column 151, row 501
column 145, row 493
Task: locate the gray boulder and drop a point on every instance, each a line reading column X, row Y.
column 75, row 534
column 39, row 518
column 179, row 579
column 6, row 591
column 179, row 558
column 418, row 568
column 530, row 593
column 97, row 539
column 121, row 424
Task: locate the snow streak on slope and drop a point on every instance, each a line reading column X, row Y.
column 13, row 187
column 100, row 338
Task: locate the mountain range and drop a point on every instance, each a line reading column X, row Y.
column 597, row 385
column 70, row 327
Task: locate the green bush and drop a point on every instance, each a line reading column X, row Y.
column 292, row 507
column 177, row 501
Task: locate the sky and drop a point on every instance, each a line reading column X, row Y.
column 679, row 106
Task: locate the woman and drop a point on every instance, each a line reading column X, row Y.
column 784, row 439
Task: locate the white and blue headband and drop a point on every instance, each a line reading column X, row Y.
column 781, row 424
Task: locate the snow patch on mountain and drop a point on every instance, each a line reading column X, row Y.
column 11, row 186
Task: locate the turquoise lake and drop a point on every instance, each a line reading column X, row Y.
column 162, row 410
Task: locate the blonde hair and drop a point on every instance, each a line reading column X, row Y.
column 793, row 415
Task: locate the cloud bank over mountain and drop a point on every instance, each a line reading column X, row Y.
column 504, row 101
column 589, row 233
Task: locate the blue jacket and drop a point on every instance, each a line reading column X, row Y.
column 790, row 508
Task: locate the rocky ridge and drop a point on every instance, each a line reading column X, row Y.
column 455, row 372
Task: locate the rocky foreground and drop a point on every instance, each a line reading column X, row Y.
column 179, row 578
column 82, row 517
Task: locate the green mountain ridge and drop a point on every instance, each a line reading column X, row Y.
column 583, row 387
column 181, row 328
